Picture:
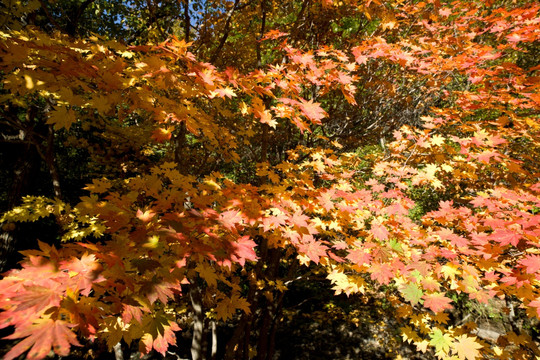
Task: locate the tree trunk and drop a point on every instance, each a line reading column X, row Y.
column 118, row 354
column 187, row 21
column 50, row 159
column 25, row 164
column 197, row 352
column 268, row 313
column 214, row 339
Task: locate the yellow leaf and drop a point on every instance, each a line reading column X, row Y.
column 466, row 347
column 98, row 186
column 208, row 274
column 228, row 306
column 152, row 242
column 437, row 140
column 450, row 271
column 62, row 118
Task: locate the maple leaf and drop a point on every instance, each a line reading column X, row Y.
column 62, row 118
column 382, row 273
column 299, row 219
column 437, row 302
column 207, row 273
column 227, row 307
column 536, row 305
column 442, row 342
column 112, row 329
column 314, row 250
column 207, row 76
column 505, row 237
column 84, row 270
column 325, row 199
column 244, row 249
column 98, row 186
column 531, row 263
column 312, row 111
column 466, row 347
column 42, row 336
column 345, row 284
column 145, row 216
column 446, row 12
column 159, row 333
column 37, row 298
column 163, row 134
column 156, row 290
column 230, row 219
column 132, row 311
column 224, row 92
column 273, row 34
column 359, row 257
column 379, row 230
column 412, row 293
column 486, row 155
column 430, row 284
column 262, row 113
column 437, row 140
column 273, row 221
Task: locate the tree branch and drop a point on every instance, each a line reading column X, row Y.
column 226, row 32
column 49, row 16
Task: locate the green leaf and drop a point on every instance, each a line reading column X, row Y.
column 412, row 293
column 441, row 341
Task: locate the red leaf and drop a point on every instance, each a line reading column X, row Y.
column 379, row 231
column 382, row 273
column 38, row 298
column 312, row 111
column 244, row 249
column 85, row 271
column 531, row 263
column 314, row 250
column 325, row 199
column 41, row 336
column 273, row 221
column 230, row 219
column 437, row 302
column 154, row 290
column 299, row 219
column 359, row 257
column 505, row 237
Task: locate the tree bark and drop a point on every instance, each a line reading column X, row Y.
column 236, row 346
column 263, row 29
column 214, row 339
column 269, row 310
column 180, row 143
column 118, row 354
column 50, row 159
column 197, row 352
column 187, row 21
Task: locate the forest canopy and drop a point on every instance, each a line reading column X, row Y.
column 185, row 168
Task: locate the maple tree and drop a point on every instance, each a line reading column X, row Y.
column 211, row 187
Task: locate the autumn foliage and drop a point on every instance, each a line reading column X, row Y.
column 214, row 185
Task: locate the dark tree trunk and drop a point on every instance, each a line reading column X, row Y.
column 23, row 171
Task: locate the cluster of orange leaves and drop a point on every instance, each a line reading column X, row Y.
column 166, row 231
